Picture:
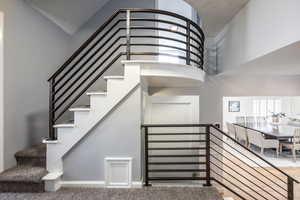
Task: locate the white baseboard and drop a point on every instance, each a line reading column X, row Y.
column 93, row 184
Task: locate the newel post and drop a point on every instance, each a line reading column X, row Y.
column 290, row 188
column 208, row 178
column 128, row 35
column 52, row 135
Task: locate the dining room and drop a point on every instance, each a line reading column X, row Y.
column 268, row 125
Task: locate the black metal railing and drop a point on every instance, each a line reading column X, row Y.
column 221, row 160
column 121, row 37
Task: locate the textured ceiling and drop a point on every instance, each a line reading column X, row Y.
column 216, row 13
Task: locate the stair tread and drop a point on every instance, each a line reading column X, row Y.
column 64, row 125
column 38, row 151
column 96, row 93
column 113, row 77
column 23, row 174
column 81, row 108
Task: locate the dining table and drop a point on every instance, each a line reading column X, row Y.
column 272, row 131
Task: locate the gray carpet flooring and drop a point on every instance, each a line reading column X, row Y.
column 150, row 193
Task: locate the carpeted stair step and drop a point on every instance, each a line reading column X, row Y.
column 23, row 179
column 34, row 156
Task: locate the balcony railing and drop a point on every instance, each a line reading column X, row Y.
column 127, row 34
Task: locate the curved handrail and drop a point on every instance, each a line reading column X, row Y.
column 252, row 152
column 69, row 82
column 100, row 29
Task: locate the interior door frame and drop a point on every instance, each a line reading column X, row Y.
column 1, row 91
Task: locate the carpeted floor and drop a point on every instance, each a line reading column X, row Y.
column 151, row 193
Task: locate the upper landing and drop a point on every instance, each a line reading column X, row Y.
column 163, row 74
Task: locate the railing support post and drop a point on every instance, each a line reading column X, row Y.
column 188, row 44
column 290, row 189
column 52, row 135
column 208, row 179
column 128, row 35
column 146, row 157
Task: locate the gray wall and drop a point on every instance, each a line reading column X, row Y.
column 118, row 135
column 33, row 49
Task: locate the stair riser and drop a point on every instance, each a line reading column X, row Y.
column 38, row 162
column 22, row 187
column 80, row 117
column 114, row 86
column 97, row 101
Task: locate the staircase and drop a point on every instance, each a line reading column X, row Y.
column 27, row 175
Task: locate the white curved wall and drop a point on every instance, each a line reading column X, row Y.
column 258, row 29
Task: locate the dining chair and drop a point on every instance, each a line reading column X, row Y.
column 231, row 130
column 257, row 138
column 294, row 145
column 241, row 135
column 240, row 120
column 250, row 119
column 260, row 120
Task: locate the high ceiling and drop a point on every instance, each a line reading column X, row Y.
column 70, row 15
column 216, row 13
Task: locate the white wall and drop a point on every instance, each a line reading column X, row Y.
column 215, row 88
column 258, row 29
column 34, row 48
column 1, row 93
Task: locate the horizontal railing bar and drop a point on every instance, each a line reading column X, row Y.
column 163, row 12
column 87, row 87
column 174, row 125
column 90, row 66
column 252, row 167
column 177, row 170
column 161, row 54
column 159, row 20
column 86, row 43
column 167, row 22
column 176, row 163
column 96, row 51
column 175, row 141
column 161, row 134
column 273, row 166
column 239, row 181
column 228, row 188
column 246, row 157
column 245, row 176
column 175, row 178
column 166, row 30
column 175, row 156
column 179, row 148
column 233, row 184
column 165, row 38
column 167, row 46
column 86, row 78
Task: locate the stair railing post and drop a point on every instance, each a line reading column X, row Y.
column 208, row 179
column 188, row 44
column 128, row 35
column 146, row 157
column 290, row 189
column 51, row 109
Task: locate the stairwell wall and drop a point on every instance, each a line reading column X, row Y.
column 117, row 135
column 261, row 27
column 34, row 48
